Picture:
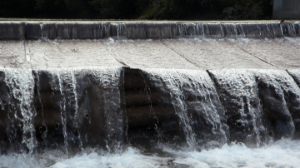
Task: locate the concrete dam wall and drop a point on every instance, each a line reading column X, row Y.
column 194, row 85
column 109, row 108
column 30, row 30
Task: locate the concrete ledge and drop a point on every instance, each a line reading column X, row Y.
column 290, row 29
column 12, row 31
column 33, row 30
column 75, row 31
column 49, row 31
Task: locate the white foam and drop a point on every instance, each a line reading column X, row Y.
column 283, row 153
column 129, row 159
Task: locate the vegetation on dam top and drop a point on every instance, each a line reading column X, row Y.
column 138, row 9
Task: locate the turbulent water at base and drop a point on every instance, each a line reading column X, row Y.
column 283, row 153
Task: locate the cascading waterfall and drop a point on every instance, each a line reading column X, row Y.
column 238, row 93
column 195, row 103
column 62, row 106
column 174, row 85
column 110, row 81
column 127, row 112
column 148, row 30
column 59, row 110
column 62, row 128
column 20, row 84
column 76, row 106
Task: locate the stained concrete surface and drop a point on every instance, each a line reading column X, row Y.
column 169, row 54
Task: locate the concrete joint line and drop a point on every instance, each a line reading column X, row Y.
column 178, row 53
column 253, row 55
column 27, row 52
column 121, row 62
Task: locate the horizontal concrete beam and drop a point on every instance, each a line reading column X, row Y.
column 33, row 30
column 165, row 53
column 12, row 31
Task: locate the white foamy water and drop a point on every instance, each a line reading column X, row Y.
column 129, row 159
column 281, row 154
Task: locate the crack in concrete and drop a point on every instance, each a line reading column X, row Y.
column 253, row 55
column 121, row 62
column 24, row 43
column 27, row 55
column 177, row 53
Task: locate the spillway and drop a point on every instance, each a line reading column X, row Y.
column 149, row 94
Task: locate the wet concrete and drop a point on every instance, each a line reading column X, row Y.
column 43, row 29
column 168, row 54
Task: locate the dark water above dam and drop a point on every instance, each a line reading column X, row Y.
column 57, row 111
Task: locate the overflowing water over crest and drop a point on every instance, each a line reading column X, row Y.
column 162, row 118
column 154, row 116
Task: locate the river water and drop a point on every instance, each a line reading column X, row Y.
column 279, row 154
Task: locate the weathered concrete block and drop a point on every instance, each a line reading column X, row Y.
column 275, row 29
column 75, row 31
column 213, row 31
column 290, row 29
column 268, row 30
column 145, row 30
column 189, row 30
column 130, row 30
column 297, row 29
column 48, row 31
column 33, row 31
column 64, row 31
column 83, row 31
column 252, row 31
column 102, row 30
column 231, row 30
column 12, row 31
column 161, row 30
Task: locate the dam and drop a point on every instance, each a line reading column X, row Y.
column 149, row 94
